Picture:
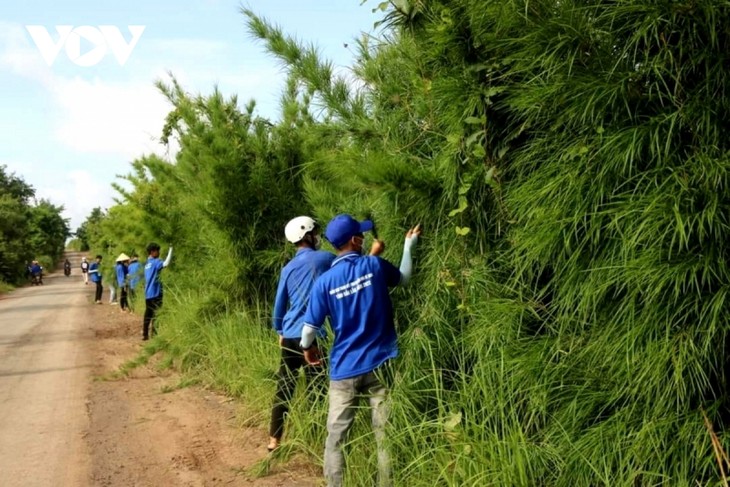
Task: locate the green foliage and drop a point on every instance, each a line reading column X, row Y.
column 29, row 229
column 566, row 324
column 48, row 229
column 87, row 231
column 5, row 287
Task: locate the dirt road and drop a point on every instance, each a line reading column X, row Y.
column 44, row 385
column 60, row 425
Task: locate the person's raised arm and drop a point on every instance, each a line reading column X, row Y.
column 406, row 263
column 168, row 258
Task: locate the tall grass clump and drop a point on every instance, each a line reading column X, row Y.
column 566, row 324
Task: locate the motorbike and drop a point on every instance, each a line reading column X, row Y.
column 36, row 279
column 67, row 271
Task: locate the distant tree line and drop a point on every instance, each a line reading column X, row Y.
column 30, row 228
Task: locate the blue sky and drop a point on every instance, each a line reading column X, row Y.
column 68, row 130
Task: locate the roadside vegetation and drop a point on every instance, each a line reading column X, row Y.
column 569, row 165
column 30, row 229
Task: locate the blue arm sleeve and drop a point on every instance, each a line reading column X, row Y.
column 280, row 306
column 317, row 311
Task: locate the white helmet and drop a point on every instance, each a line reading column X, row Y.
column 298, row 227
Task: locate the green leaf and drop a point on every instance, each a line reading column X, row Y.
column 382, row 6
column 462, row 231
column 463, row 205
column 475, row 120
column 493, row 90
column 489, row 177
column 453, row 138
column 452, row 421
column 403, row 5
column 473, row 137
column 450, row 283
column 479, row 151
column 464, row 189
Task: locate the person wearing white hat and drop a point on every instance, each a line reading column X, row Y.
column 85, row 270
column 121, row 271
column 292, row 294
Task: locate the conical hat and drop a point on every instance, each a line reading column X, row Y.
column 122, row 257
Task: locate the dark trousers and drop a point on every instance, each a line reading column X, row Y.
column 99, row 289
column 130, row 299
column 123, row 303
column 148, row 326
column 292, row 359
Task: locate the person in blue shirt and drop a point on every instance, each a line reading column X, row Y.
column 36, row 272
column 134, row 272
column 153, row 287
column 95, row 276
column 292, row 294
column 121, row 272
column 354, row 294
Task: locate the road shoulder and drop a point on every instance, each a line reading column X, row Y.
column 140, row 435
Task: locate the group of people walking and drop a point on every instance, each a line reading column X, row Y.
column 351, row 289
column 128, row 273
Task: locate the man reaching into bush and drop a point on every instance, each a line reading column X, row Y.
column 95, row 275
column 354, row 294
column 292, row 294
column 153, row 287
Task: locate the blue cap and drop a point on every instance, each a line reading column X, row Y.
column 343, row 227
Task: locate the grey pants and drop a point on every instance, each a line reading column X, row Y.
column 344, row 396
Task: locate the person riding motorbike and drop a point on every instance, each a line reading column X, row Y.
column 36, row 272
column 67, row 267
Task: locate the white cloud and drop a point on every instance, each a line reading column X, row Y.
column 118, row 118
column 20, row 57
column 79, row 193
column 186, row 48
column 105, row 118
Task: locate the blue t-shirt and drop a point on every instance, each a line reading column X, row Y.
column 134, row 274
column 95, row 276
column 354, row 294
column 152, row 286
column 121, row 271
column 295, row 286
